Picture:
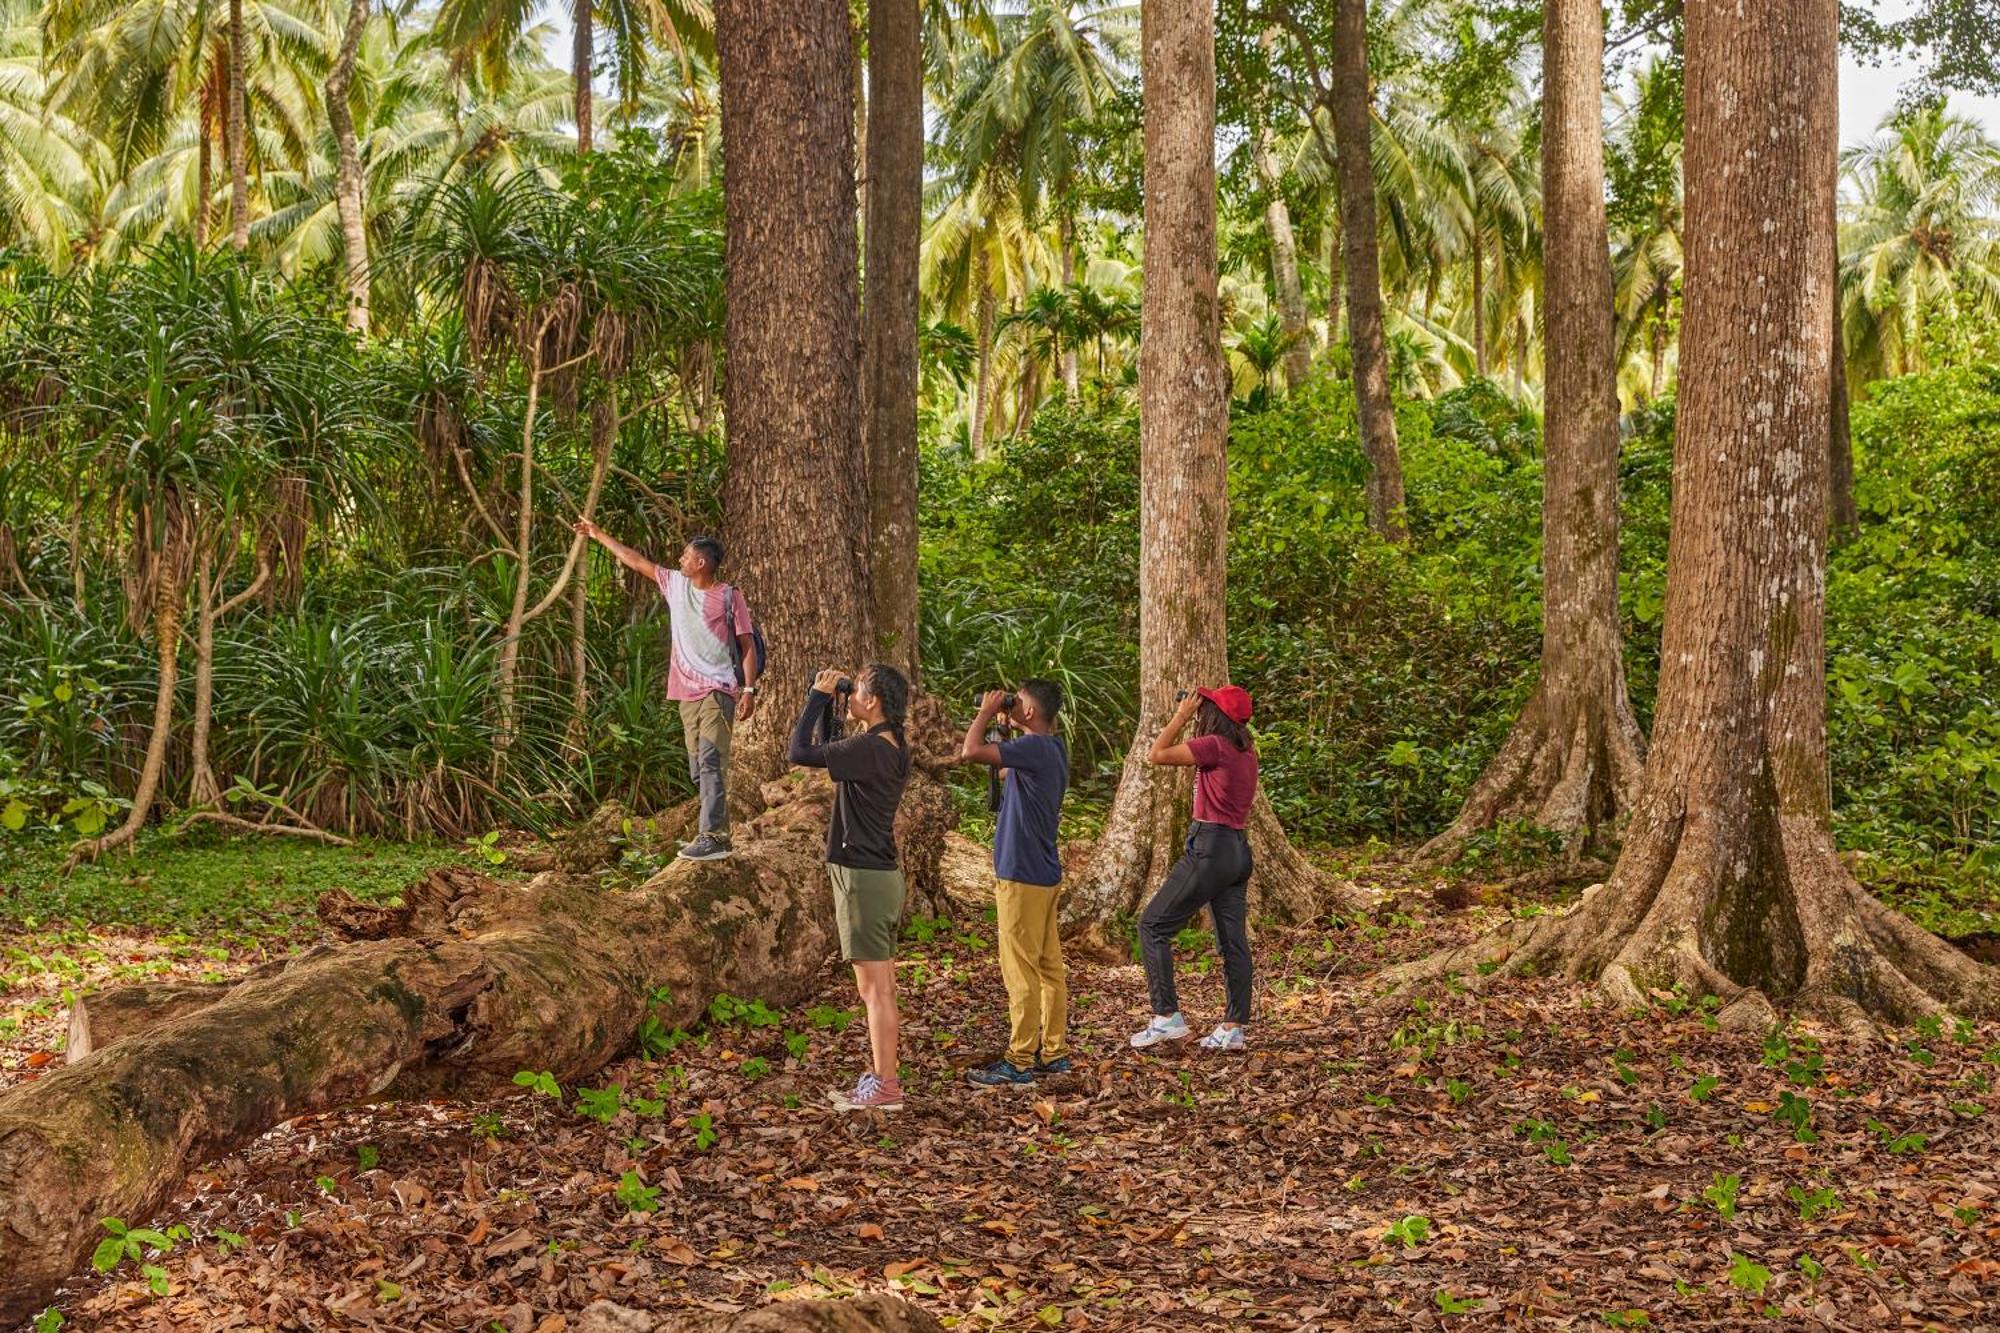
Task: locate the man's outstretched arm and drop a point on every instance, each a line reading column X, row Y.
column 627, row 557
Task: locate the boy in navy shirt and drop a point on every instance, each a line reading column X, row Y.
column 1027, row 873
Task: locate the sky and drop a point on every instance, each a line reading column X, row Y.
column 1867, row 93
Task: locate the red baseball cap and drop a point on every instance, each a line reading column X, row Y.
column 1233, row 700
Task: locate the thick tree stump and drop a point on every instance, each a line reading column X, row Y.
column 554, row 974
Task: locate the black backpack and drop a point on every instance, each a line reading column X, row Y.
column 735, row 645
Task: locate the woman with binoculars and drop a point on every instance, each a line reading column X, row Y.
column 869, row 770
column 1214, row 872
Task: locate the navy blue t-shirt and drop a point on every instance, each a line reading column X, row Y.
column 1024, row 843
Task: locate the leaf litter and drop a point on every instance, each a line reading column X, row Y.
column 1524, row 1155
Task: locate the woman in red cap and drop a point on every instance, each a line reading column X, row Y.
column 1214, row 872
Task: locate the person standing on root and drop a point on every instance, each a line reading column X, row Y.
column 868, row 770
column 711, row 674
column 1027, row 877
column 1214, row 872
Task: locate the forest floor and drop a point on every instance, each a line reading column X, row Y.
column 1449, row 1159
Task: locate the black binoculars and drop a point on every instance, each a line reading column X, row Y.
column 1180, row 696
column 843, row 686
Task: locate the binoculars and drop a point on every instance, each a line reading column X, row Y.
column 1180, row 696
column 843, row 686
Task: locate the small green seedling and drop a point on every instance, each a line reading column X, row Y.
column 1746, row 1274
column 1812, row 1202
column 1413, row 1230
column 543, row 1082
column 637, row 1195
column 123, row 1242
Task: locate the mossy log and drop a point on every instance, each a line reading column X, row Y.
column 475, row 982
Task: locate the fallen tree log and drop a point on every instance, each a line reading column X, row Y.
column 556, row 974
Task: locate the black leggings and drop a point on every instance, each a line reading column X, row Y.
column 1214, row 873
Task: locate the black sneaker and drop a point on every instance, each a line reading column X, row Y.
column 707, row 847
column 999, row 1074
column 1044, row 1068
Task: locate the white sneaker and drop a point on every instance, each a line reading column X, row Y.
column 1224, row 1038
column 1172, row 1028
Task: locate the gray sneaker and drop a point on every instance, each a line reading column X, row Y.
column 707, row 847
column 1171, row 1028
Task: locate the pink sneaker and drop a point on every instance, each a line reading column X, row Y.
column 870, row 1094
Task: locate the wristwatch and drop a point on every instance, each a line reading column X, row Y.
column 749, row 689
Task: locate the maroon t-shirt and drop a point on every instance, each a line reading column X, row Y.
column 1225, row 781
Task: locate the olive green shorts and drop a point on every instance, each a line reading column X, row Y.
column 867, row 911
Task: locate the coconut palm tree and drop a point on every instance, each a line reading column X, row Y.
column 1918, row 237
column 419, row 125
column 487, row 36
column 1009, row 126
column 51, row 168
column 136, row 72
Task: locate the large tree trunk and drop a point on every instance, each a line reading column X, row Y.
column 450, row 995
column 1336, row 281
column 889, row 319
column 1183, row 485
column 349, row 186
column 1284, row 264
column 238, row 132
column 1356, row 175
column 1573, row 760
column 583, row 55
column 1728, row 883
column 1841, row 512
column 795, row 499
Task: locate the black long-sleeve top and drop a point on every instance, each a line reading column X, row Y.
column 869, row 772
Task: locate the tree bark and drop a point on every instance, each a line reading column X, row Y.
column 795, row 500
column 1728, row 883
column 1183, row 485
column 349, row 185
column 1375, row 408
column 1572, row 761
column 982, row 384
column 473, row 983
column 889, row 319
column 238, row 132
column 583, row 56
column 204, row 182
column 1478, row 302
column 1841, row 511
column 1066, row 258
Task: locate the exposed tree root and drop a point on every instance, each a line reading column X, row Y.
column 1575, row 780
column 1143, row 837
column 1681, row 915
column 304, row 829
